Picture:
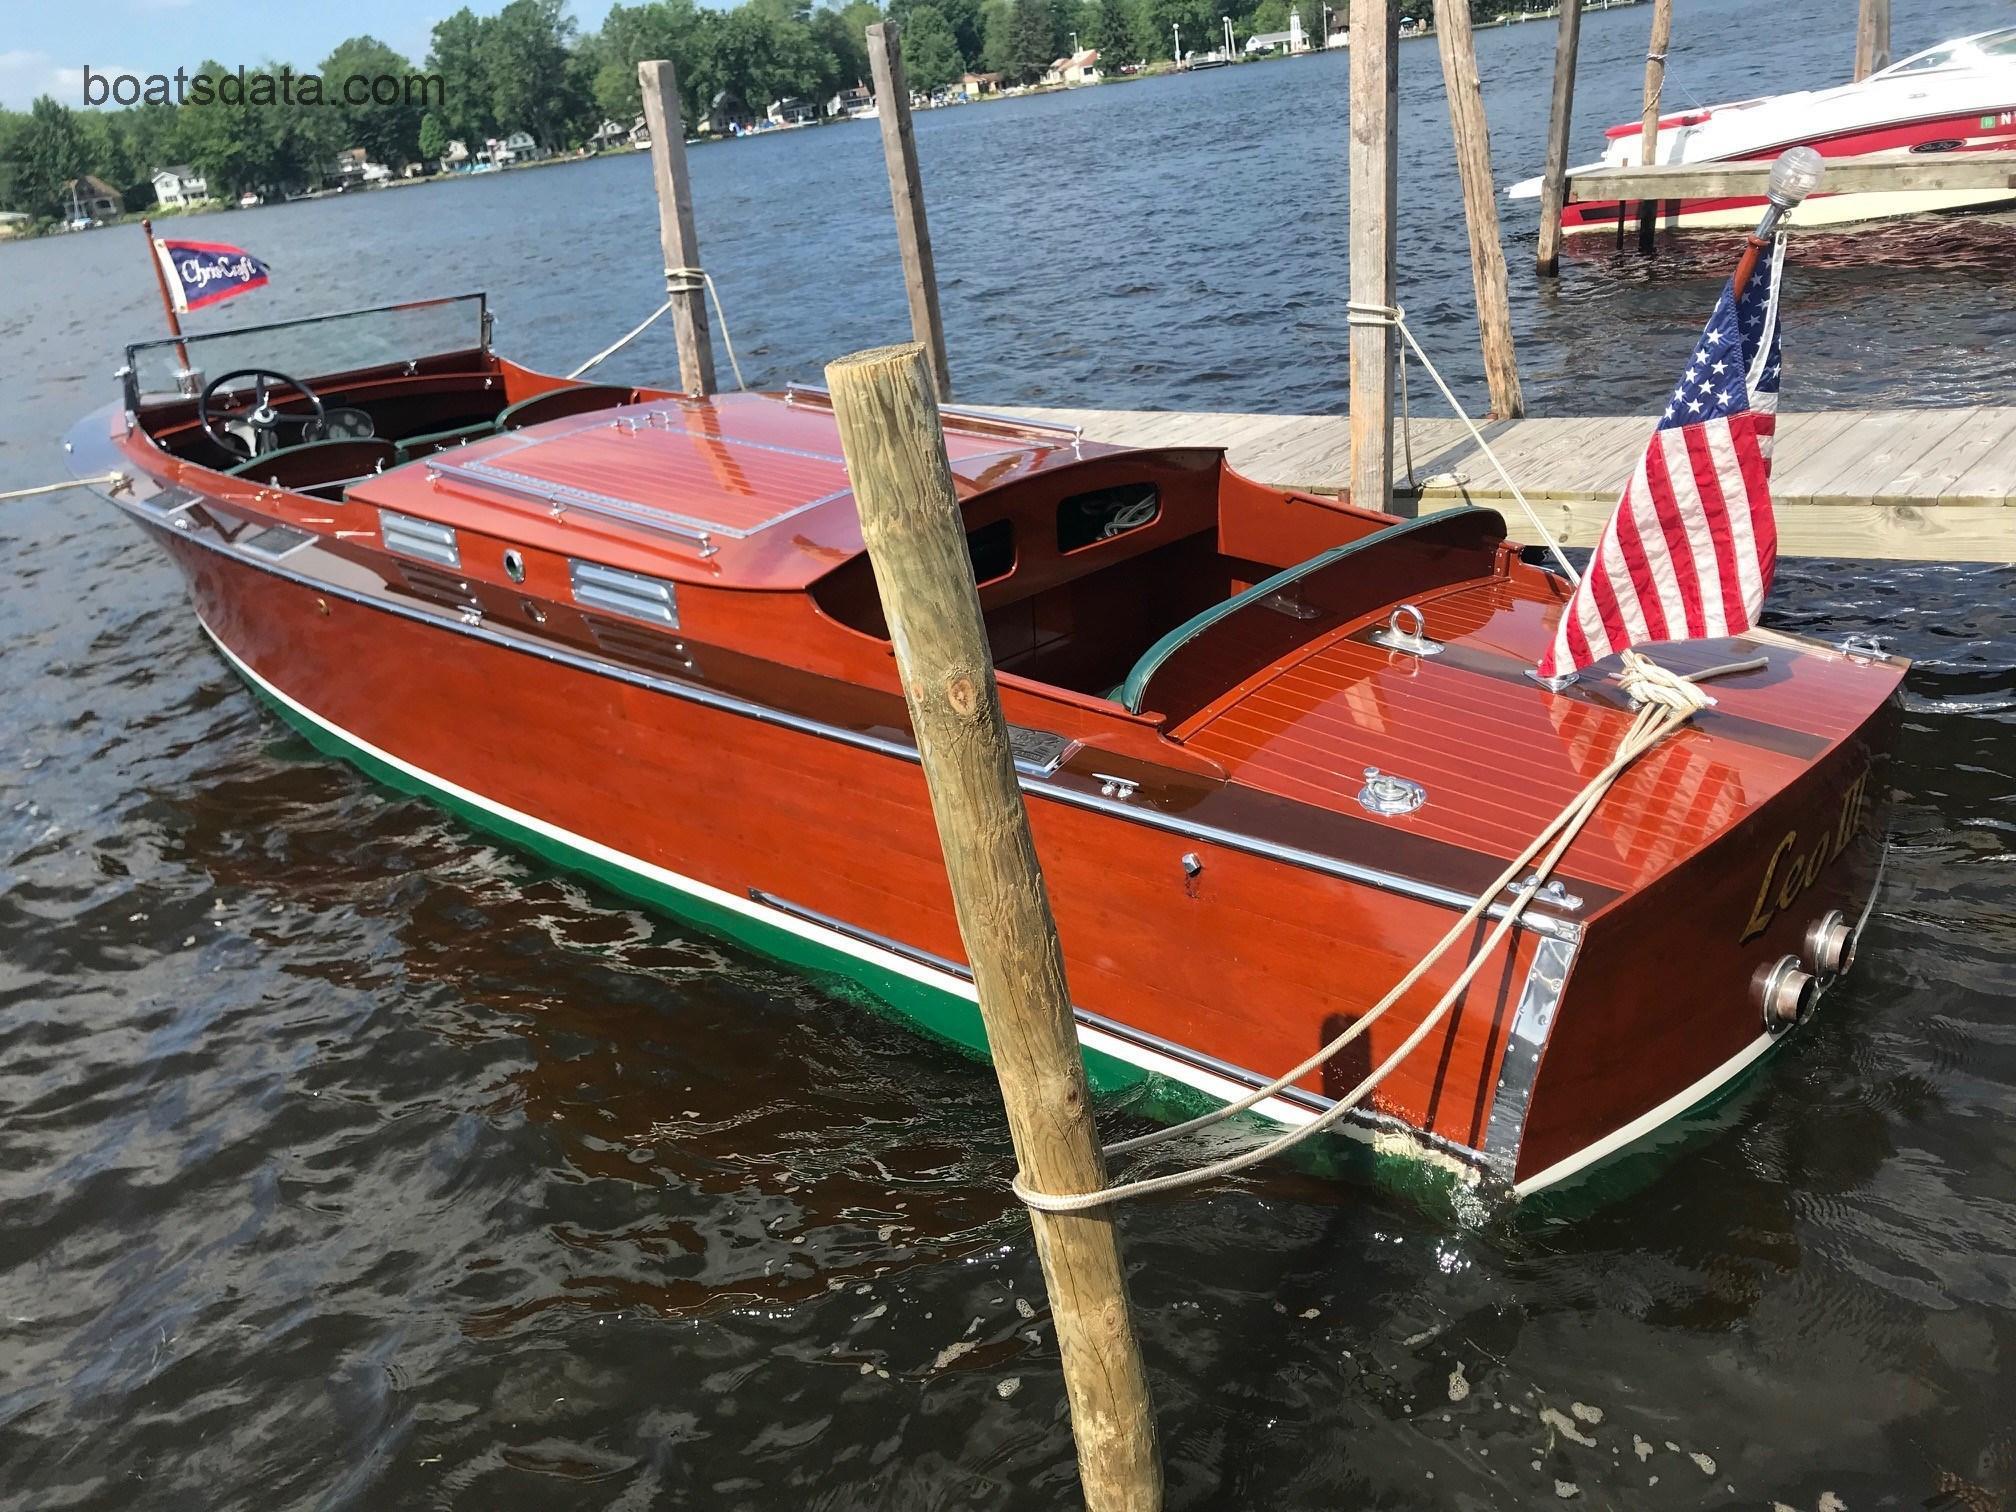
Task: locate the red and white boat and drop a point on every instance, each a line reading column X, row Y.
column 1954, row 98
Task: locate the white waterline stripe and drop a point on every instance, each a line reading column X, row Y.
column 1646, row 1122
column 1092, row 1038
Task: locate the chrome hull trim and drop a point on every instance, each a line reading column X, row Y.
column 1387, row 882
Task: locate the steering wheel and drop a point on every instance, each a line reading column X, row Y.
column 262, row 417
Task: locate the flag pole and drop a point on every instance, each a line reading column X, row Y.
column 167, row 299
column 1795, row 175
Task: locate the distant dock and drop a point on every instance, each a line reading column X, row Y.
column 1898, row 485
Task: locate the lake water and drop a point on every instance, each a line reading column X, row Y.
column 349, row 1161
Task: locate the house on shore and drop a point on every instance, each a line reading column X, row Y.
column 92, row 196
column 792, row 111
column 178, row 184
column 978, row 86
column 1080, row 68
column 517, row 147
column 856, row 101
column 1293, row 40
column 727, row 115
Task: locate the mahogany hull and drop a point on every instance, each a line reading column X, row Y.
column 1199, row 968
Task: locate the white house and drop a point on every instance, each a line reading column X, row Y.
column 456, row 154
column 518, row 147
column 1294, row 39
column 179, row 184
column 1079, row 68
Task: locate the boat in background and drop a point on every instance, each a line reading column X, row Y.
column 1954, row 98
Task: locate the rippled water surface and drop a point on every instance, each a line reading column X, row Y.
column 347, row 1160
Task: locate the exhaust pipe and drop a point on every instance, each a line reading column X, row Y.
column 1830, row 945
column 1786, row 992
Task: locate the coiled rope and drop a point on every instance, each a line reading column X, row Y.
column 1665, row 701
column 677, row 281
column 1361, row 314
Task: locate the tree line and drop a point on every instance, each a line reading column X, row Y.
column 529, row 68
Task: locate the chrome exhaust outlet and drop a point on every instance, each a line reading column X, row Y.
column 1786, row 991
column 1830, row 945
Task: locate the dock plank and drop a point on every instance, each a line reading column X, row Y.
column 1912, row 485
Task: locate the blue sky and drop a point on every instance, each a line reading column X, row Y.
column 46, row 44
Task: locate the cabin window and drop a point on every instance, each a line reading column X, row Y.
column 1088, row 518
column 992, row 548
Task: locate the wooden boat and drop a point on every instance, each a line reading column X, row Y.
column 1272, row 744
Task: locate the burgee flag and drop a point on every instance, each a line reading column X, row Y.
column 202, row 273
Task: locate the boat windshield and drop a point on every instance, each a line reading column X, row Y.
column 314, row 345
column 1966, row 53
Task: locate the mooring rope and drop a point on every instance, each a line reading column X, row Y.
column 1357, row 313
column 677, row 281
column 113, row 480
column 1666, row 701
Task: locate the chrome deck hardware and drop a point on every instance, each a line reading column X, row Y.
column 1414, row 642
column 1385, row 793
column 410, row 536
column 1866, row 647
column 1553, row 684
column 1554, row 895
column 1115, row 787
column 627, row 593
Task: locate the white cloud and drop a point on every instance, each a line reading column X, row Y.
column 26, row 73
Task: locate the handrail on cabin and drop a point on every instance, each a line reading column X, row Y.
column 1133, row 693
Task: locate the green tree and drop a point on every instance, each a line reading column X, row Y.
column 48, row 150
column 931, row 57
column 433, row 137
column 524, row 53
column 459, row 57
column 997, row 25
column 1032, row 40
column 388, row 129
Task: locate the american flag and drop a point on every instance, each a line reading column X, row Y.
column 1690, row 551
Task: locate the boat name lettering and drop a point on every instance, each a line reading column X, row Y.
column 1794, row 875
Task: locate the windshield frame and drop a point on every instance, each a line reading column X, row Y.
column 190, row 344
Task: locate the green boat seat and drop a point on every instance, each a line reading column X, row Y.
column 441, row 440
column 558, row 404
column 320, row 465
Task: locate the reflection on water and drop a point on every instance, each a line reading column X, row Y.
column 349, row 1160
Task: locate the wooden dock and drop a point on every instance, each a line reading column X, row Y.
column 1901, row 485
column 1850, row 175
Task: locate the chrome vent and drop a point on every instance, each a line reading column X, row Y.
column 419, row 538
column 276, row 541
column 628, row 593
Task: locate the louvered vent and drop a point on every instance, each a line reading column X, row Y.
column 419, row 538
column 619, row 592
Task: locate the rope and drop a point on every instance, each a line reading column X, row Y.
column 677, row 281
column 1666, row 702
column 1357, row 313
column 113, row 480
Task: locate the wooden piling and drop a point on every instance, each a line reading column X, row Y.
column 1872, row 38
column 1480, row 205
column 1648, row 139
column 895, row 451
column 677, row 238
column 1554, row 181
column 906, row 193
column 1375, row 91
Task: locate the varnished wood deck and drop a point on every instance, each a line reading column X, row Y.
column 1917, row 485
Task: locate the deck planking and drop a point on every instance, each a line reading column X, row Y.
column 1907, row 485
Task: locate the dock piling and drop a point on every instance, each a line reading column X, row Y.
column 1465, row 89
column 677, row 237
column 906, row 193
column 1554, row 182
column 894, row 447
column 1872, row 38
column 1375, row 179
column 1648, row 138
